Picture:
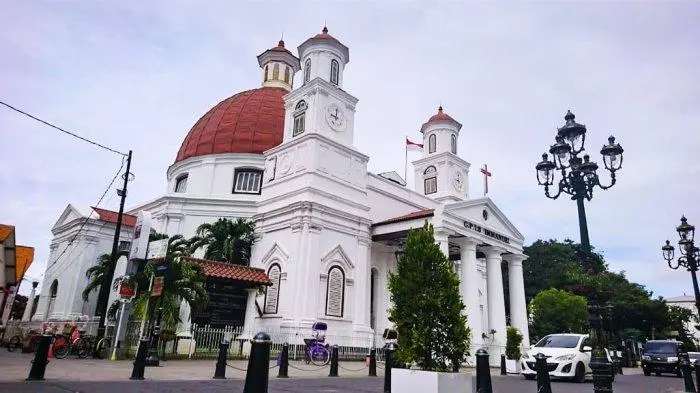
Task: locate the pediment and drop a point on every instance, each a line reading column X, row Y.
column 485, row 213
column 276, row 252
column 70, row 214
column 337, row 254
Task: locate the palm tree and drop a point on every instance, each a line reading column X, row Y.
column 105, row 266
column 226, row 240
column 184, row 281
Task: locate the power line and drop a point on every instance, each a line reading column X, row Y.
column 87, row 219
column 61, row 129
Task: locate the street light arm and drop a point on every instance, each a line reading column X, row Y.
column 612, row 181
column 561, row 188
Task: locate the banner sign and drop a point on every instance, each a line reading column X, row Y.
column 125, row 290
column 139, row 242
column 157, row 289
column 157, row 249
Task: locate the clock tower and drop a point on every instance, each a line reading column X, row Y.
column 441, row 174
column 320, row 105
column 313, row 212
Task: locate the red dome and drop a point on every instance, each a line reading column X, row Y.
column 441, row 116
column 248, row 122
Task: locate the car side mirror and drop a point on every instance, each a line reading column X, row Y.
column 586, row 348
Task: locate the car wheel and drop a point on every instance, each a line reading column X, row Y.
column 529, row 376
column 646, row 372
column 580, row 375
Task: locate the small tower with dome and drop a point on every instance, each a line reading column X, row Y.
column 278, row 67
column 441, row 174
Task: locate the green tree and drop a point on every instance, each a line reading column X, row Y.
column 677, row 319
column 96, row 274
column 226, row 240
column 427, row 308
column 549, row 265
column 513, row 341
column 558, row 311
column 183, row 281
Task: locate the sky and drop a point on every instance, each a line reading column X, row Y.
column 137, row 75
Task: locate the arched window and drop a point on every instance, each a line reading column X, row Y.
column 53, row 292
column 335, row 292
column 431, row 143
column 299, row 118
column 273, row 291
column 247, row 181
column 181, row 183
column 276, row 72
column 266, row 69
column 453, row 144
column 286, row 74
column 430, row 180
column 334, row 71
column 307, row 70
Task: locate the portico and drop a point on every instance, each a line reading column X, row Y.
column 478, row 238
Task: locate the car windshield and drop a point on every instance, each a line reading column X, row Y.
column 660, row 347
column 558, row 342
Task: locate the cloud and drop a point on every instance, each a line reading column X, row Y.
column 137, row 75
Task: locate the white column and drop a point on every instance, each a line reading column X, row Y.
column 184, row 327
column 469, row 289
column 30, row 302
column 496, row 301
column 442, row 238
column 362, row 287
column 250, row 312
column 516, row 290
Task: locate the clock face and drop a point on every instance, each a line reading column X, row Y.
column 458, row 181
column 335, row 117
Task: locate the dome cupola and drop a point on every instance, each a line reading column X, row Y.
column 278, row 66
column 323, row 56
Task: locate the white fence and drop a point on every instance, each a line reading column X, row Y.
column 204, row 342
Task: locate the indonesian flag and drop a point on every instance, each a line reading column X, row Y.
column 413, row 146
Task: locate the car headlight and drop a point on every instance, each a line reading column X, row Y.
column 646, row 357
column 565, row 357
column 672, row 359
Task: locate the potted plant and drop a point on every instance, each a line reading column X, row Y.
column 513, row 354
column 429, row 317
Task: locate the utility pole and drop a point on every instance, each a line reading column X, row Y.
column 103, row 297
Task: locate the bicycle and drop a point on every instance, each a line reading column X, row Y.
column 32, row 337
column 102, row 348
column 71, row 341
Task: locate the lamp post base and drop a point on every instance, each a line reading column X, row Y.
column 602, row 374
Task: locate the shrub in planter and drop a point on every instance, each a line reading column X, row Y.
column 428, row 311
column 513, row 340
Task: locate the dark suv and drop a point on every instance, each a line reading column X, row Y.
column 661, row 356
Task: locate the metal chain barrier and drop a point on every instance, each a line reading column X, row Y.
column 236, row 368
column 351, row 370
column 302, row 369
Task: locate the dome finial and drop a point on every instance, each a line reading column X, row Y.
column 440, row 109
column 325, row 29
column 281, row 42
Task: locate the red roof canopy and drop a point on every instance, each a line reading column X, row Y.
column 110, row 216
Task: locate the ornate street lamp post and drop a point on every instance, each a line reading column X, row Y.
column 689, row 258
column 578, row 179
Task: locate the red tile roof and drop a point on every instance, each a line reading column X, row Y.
column 248, row 122
column 406, row 217
column 110, row 216
column 440, row 116
column 233, row 272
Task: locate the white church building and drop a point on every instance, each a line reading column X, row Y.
column 329, row 230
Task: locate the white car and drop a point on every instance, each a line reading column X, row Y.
column 568, row 356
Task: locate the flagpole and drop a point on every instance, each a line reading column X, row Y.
column 405, row 161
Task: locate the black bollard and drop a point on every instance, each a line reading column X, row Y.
column 372, row 363
column 140, row 361
column 543, row 383
column 220, row 372
column 483, row 373
column 389, row 364
column 256, row 376
column 503, row 365
column 334, row 362
column 36, row 373
column 284, row 362
column 686, row 369
column 697, row 373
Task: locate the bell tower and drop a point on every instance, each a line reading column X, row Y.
column 278, row 67
column 441, row 174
